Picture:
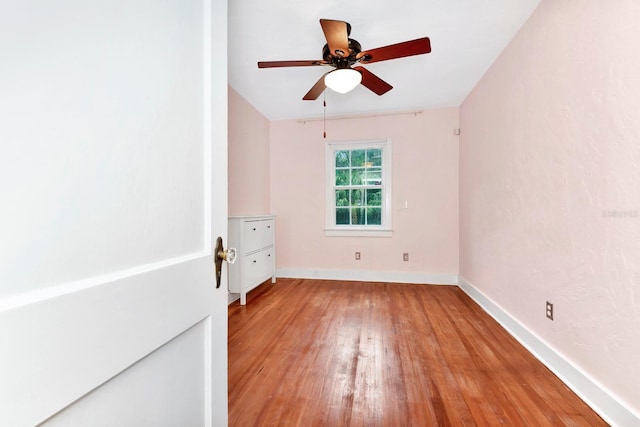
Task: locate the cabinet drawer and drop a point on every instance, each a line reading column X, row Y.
column 252, row 236
column 269, row 255
column 257, row 266
column 257, row 235
column 268, row 236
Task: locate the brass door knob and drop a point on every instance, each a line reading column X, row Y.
column 228, row 255
column 222, row 254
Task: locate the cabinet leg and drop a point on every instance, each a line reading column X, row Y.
column 243, row 298
column 273, row 279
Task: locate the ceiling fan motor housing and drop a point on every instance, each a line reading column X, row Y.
column 342, row 61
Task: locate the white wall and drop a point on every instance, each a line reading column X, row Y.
column 549, row 178
column 249, row 188
column 425, row 165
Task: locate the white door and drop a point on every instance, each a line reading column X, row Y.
column 113, row 119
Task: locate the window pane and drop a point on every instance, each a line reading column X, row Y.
column 359, row 193
column 357, row 158
column 342, row 177
column 357, row 198
column 342, row 159
column 342, row 197
column 374, row 176
column 357, row 216
column 342, row 216
column 374, row 216
column 374, row 197
column 374, row 156
column 356, row 176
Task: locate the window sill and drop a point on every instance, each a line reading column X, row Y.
column 338, row 232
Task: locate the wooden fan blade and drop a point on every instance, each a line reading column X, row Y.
column 275, row 64
column 399, row 50
column 372, row 82
column 316, row 90
column 337, row 36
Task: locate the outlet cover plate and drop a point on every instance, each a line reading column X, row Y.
column 549, row 309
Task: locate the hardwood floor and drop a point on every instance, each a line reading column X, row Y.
column 330, row 353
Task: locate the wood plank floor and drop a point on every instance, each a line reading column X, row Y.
column 331, row 353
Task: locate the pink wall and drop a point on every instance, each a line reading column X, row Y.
column 550, row 185
column 425, row 164
column 248, row 158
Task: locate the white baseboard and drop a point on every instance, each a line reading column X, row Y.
column 611, row 409
column 369, row 276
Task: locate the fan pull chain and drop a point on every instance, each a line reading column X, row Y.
column 324, row 115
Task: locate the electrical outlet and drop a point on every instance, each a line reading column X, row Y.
column 405, row 256
column 357, row 256
column 549, row 311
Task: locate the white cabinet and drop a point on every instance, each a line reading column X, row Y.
column 254, row 239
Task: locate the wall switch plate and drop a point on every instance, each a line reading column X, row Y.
column 405, row 256
column 357, row 256
column 549, row 311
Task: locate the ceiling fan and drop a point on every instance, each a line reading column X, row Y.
column 342, row 53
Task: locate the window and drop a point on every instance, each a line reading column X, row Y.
column 358, row 188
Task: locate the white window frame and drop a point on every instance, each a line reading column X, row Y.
column 331, row 228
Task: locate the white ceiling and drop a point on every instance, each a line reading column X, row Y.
column 466, row 37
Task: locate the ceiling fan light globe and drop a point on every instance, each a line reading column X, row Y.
column 343, row 80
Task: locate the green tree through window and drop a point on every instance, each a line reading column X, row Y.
column 358, row 187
